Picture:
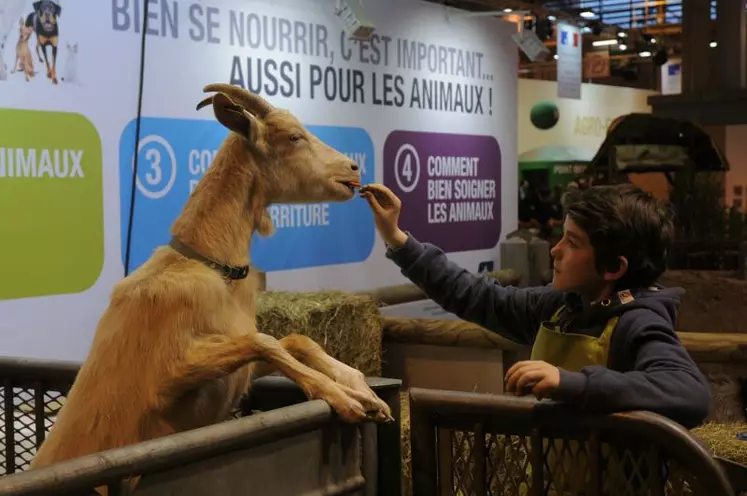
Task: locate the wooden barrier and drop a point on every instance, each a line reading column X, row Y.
column 446, row 354
column 717, row 354
column 408, row 292
column 715, row 347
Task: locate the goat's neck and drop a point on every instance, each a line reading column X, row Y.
column 223, row 211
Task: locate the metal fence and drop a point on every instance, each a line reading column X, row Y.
column 468, row 443
column 276, row 429
column 33, row 392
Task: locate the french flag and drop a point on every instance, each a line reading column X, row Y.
column 564, row 38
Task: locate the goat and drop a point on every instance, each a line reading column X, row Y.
column 178, row 346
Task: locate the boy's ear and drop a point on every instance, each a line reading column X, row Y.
column 617, row 269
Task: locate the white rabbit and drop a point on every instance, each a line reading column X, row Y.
column 70, row 74
column 3, row 66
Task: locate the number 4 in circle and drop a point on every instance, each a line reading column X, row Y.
column 407, row 167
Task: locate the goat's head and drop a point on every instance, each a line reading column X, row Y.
column 297, row 166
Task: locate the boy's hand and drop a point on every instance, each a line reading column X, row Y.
column 532, row 376
column 386, row 208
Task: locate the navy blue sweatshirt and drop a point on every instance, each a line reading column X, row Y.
column 648, row 368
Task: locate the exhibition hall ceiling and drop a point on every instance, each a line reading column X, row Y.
column 638, row 36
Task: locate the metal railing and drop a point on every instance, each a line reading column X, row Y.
column 33, row 392
column 469, row 443
column 256, row 449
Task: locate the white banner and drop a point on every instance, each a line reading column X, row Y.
column 570, row 60
column 671, row 77
column 430, row 89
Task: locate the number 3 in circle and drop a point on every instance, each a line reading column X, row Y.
column 153, row 165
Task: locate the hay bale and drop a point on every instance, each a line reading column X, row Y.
column 406, row 447
column 722, row 439
column 346, row 325
column 726, row 383
column 506, row 277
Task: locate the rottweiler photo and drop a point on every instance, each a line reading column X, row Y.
column 44, row 21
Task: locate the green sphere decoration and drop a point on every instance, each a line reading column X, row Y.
column 544, row 115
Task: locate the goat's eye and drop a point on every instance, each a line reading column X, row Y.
column 295, row 137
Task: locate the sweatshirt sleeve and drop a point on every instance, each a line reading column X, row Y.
column 513, row 313
column 662, row 378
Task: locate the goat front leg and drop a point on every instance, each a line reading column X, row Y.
column 218, row 356
column 353, row 382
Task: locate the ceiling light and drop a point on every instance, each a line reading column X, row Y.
column 713, row 44
column 645, row 53
column 604, row 42
column 622, row 46
column 587, row 14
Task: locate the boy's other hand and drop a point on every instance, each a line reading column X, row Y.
column 532, row 377
column 386, row 208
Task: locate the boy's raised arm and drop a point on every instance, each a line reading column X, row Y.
column 514, row 313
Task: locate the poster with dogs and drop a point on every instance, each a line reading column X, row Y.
column 100, row 149
column 39, row 48
column 68, row 86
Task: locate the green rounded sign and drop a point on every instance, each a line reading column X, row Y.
column 51, row 199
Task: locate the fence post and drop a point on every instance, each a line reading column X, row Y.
column 424, row 449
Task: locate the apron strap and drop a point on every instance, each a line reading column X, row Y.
column 556, row 316
column 609, row 328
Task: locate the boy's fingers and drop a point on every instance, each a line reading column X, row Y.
column 518, row 371
column 542, row 389
column 373, row 203
column 381, row 191
column 531, row 377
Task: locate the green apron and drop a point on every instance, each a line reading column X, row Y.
column 571, row 352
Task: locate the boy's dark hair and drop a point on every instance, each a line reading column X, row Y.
column 624, row 220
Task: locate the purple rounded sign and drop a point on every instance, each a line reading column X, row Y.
column 449, row 185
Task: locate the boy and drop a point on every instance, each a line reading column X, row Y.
column 602, row 334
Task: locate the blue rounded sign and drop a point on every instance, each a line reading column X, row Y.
column 173, row 154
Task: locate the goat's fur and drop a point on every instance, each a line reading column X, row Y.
column 178, row 345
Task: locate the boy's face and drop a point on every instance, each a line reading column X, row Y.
column 573, row 262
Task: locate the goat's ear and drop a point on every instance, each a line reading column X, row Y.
column 236, row 118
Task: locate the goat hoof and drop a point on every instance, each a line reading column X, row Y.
column 379, row 416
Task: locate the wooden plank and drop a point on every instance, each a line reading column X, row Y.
column 444, row 333
column 715, row 347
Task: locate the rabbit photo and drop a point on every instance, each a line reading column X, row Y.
column 3, row 65
column 70, row 74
